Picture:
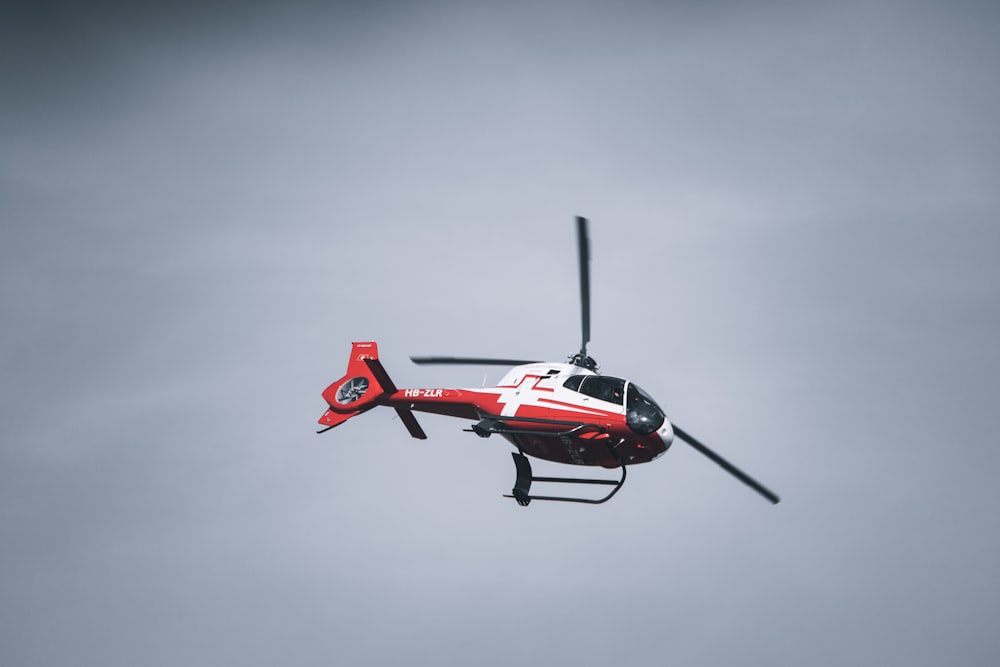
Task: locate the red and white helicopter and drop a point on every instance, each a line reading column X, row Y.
column 562, row 412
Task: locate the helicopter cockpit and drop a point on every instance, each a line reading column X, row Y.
column 641, row 412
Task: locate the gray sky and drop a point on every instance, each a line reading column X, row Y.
column 795, row 241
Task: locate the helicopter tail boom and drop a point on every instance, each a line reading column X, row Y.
column 365, row 385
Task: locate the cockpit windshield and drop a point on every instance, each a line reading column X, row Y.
column 641, row 412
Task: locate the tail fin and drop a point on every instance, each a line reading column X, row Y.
column 361, row 389
column 358, row 390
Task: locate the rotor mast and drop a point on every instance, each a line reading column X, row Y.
column 583, row 247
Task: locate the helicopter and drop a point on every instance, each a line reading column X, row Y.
column 566, row 412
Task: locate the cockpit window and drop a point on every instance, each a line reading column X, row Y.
column 602, row 388
column 642, row 414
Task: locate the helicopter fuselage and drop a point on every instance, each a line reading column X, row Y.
column 553, row 411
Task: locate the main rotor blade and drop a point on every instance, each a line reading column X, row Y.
column 583, row 245
column 726, row 465
column 472, row 361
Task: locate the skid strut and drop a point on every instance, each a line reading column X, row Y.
column 522, row 485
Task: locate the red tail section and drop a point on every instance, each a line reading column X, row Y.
column 358, row 390
column 361, row 389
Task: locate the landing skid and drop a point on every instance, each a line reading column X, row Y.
column 522, row 485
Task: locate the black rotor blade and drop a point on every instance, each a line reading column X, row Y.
column 471, row 361
column 726, row 465
column 583, row 245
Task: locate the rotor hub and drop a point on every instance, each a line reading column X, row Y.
column 584, row 361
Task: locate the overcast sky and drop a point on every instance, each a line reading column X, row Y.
column 794, row 218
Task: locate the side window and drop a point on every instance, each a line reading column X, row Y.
column 607, row 389
column 574, row 382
